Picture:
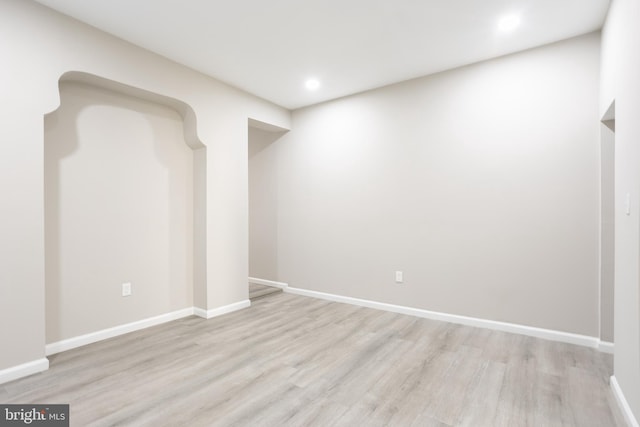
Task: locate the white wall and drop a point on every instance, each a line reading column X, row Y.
column 118, row 208
column 621, row 82
column 39, row 47
column 480, row 183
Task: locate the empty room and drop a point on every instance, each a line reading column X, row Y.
column 320, row 213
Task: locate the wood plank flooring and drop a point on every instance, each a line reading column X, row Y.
column 296, row 361
column 259, row 291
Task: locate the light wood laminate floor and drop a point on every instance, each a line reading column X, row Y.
column 260, row 291
column 296, row 361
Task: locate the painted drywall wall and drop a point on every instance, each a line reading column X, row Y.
column 263, row 204
column 118, row 208
column 480, row 184
column 620, row 82
column 41, row 46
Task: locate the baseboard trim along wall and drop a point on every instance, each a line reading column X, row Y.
column 605, row 347
column 622, row 403
column 23, row 370
column 104, row 334
column 268, row 283
column 40, row 365
column 208, row 314
column 547, row 334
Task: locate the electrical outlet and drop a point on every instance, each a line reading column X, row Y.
column 399, row 277
column 126, row 289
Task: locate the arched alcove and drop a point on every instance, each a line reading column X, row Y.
column 124, row 203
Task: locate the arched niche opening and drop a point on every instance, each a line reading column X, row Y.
column 125, row 177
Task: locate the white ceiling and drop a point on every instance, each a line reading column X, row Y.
column 269, row 48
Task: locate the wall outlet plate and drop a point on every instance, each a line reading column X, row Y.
column 126, row 289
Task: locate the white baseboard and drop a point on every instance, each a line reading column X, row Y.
column 24, row 370
column 40, row 365
column 208, row 314
column 268, row 283
column 606, row 347
column 104, row 334
column 622, row 403
column 547, row 334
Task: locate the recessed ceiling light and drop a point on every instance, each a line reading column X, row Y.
column 312, row 84
column 509, row 22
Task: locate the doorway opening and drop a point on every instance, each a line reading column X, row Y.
column 263, row 208
column 607, row 223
